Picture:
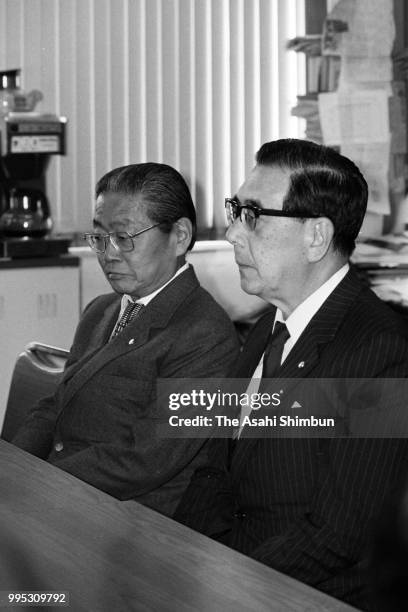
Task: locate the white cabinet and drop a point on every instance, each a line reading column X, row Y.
column 37, row 303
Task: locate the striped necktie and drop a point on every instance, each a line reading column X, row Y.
column 131, row 311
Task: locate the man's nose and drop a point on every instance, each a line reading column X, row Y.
column 234, row 232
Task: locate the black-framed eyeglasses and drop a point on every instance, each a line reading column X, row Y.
column 248, row 213
column 121, row 241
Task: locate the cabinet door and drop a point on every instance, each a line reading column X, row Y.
column 36, row 305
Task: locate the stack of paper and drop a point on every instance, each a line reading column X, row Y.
column 308, row 108
column 385, row 262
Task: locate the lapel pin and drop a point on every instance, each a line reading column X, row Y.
column 131, row 341
column 301, row 364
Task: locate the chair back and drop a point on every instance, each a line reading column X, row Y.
column 36, row 374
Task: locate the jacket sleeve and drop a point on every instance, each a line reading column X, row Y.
column 356, row 477
column 207, row 504
column 36, row 433
column 137, row 460
column 333, row 533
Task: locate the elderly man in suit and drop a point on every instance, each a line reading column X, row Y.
column 304, row 506
column 102, row 425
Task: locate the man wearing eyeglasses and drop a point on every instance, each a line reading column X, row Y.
column 102, row 424
column 305, row 506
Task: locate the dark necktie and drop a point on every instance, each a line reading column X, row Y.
column 271, row 364
column 274, row 350
column 131, row 312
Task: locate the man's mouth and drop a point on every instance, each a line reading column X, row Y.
column 242, row 264
column 114, row 275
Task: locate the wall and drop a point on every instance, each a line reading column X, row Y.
column 198, row 84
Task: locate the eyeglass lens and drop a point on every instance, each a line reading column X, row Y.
column 248, row 218
column 119, row 240
column 246, row 215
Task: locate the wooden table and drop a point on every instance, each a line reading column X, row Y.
column 58, row 533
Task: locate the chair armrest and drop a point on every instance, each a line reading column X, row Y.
column 46, row 357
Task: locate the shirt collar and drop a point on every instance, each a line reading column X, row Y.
column 302, row 315
column 148, row 298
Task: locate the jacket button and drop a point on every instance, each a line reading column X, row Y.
column 240, row 515
column 59, row 446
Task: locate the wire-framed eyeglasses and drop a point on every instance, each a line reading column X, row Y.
column 121, row 241
column 248, row 213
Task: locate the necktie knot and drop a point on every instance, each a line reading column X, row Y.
column 280, row 333
column 274, row 350
column 131, row 312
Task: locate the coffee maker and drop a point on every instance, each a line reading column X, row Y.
column 27, row 141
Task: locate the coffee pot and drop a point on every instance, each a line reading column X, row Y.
column 28, row 215
column 28, row 140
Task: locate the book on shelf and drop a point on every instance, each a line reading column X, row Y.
column 322, row 71
column 329, row 73
column 313, row 68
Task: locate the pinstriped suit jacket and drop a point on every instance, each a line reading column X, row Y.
column 302, row 506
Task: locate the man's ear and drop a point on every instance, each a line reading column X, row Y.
column 319, row 236
column 184, row 231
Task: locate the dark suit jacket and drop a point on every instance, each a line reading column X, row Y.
column 101, row 425
column 305, row 506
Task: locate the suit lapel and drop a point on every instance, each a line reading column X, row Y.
column 156, row 315
column 321, row 330
column 98, row 339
